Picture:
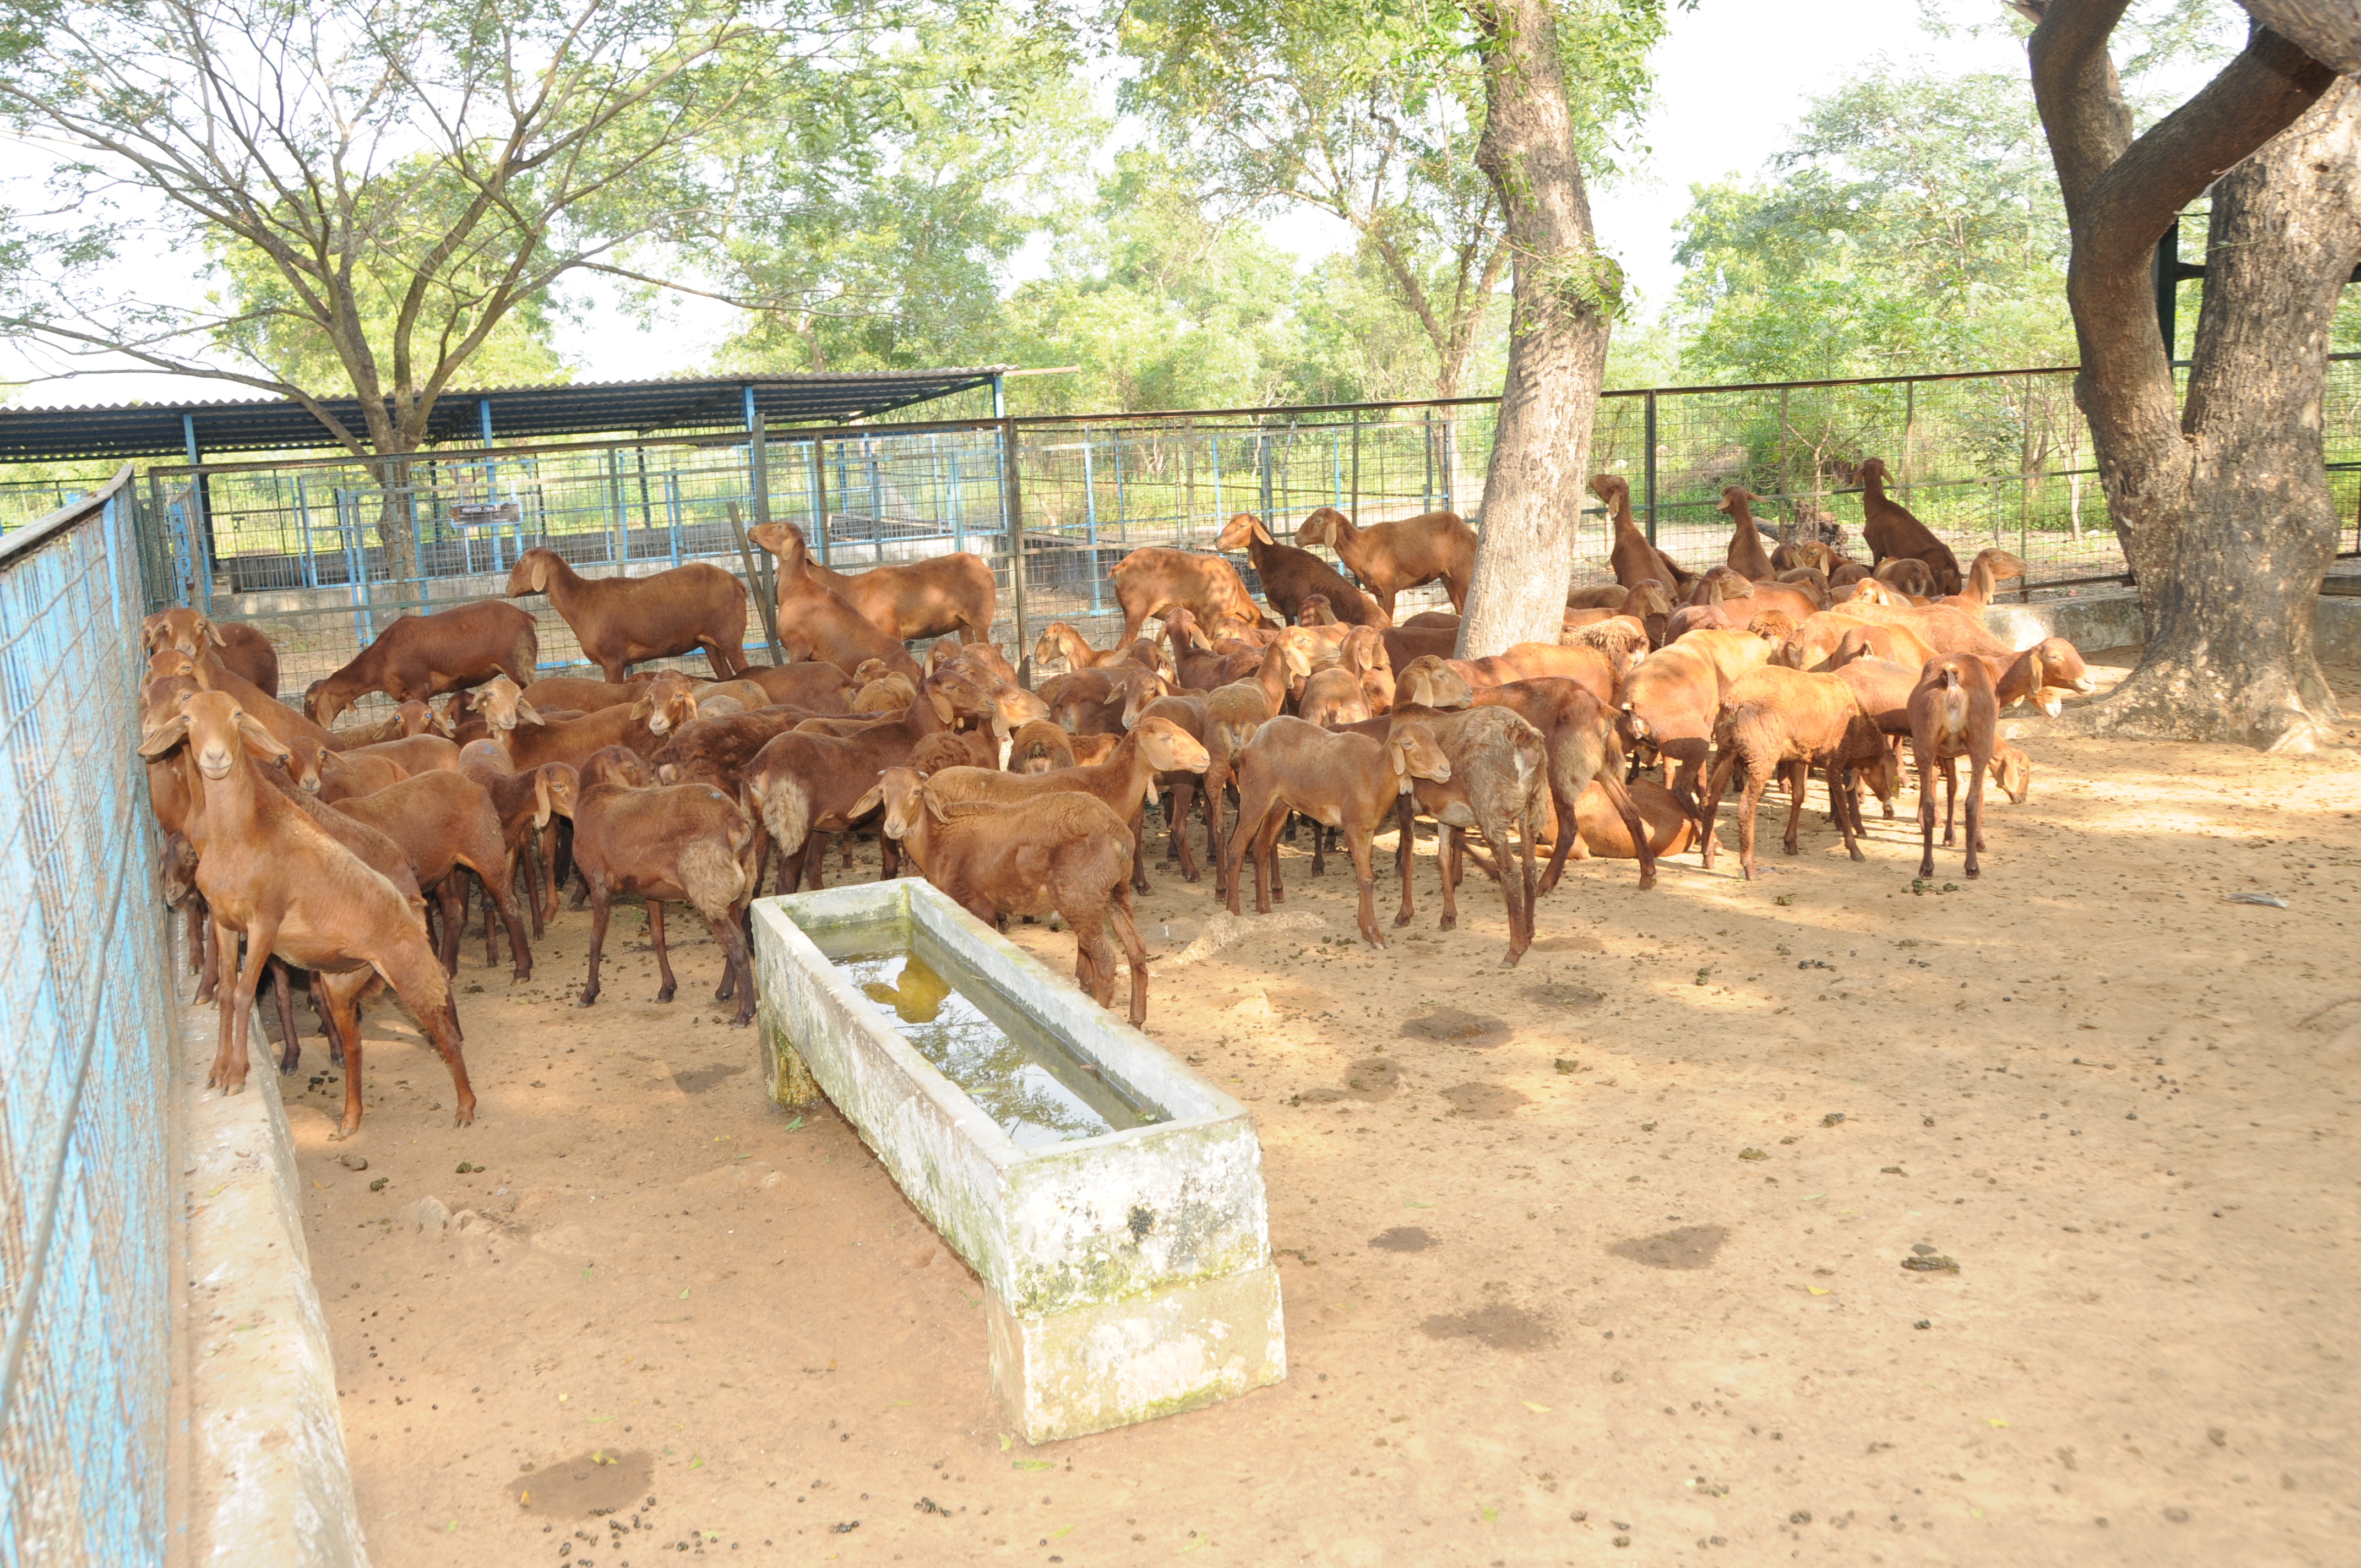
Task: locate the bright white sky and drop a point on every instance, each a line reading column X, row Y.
column 1732, row 75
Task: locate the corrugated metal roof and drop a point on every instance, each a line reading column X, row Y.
column 519, row 414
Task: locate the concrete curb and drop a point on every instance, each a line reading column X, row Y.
column 268, row 1484
column 2111, row 618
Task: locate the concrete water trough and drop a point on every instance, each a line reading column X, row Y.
column 1110, row 1200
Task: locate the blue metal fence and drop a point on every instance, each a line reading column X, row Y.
column 85, row 1019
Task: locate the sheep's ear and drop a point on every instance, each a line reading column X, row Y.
column 541, row 806
column 644, row 707
column 210, row 633
column 941, row 699
column 165, row 736
column 867, row 803
column 526, row 713
column 333, row 762
column 936, row 804
column 261, row 741
column 1263, row 534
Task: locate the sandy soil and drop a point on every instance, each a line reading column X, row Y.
column 1607, row 1251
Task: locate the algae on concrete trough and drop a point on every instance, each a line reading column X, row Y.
column 1129, row 1269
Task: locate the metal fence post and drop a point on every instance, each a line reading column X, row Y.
column 1012, row 519
column 1264, row 444
column 1353, row 511
column 1091, row 518
column 1648, row 436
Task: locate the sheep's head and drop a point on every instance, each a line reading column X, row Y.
column 217, row 731
column 1735, row 499
column 1428, row 681
column 1170, row 749
column 1243, row 530
column 1649, row 596
column 1316, row 610
column 1870, row 470
column 616, row 766
column 1297, row 646
column 1322, row 525
column 1613, row 489
column 2012, row 770
column 1412, row 753
column 531, row 573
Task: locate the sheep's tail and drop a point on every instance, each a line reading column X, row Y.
column 786, row 812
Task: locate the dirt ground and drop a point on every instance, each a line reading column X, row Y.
column 1609, row 1250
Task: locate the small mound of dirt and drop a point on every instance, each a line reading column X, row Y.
column 1691, row 1246
column 1372, row 1078
column 1457, row 1026
column 1564, row 996
column 1485, row 1101
column 697, row 1079
column 1403, row 1238
column 1497, row 1325
column 597, row 1480
column 1569, row 943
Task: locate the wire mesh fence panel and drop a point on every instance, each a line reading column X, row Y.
column 84, row 1239
column 322, row 554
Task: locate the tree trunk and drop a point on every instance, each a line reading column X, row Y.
column 1564, row 295
column 397, row 529
column 2204, row 500
column 2242, row 526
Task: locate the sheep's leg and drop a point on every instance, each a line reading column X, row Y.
column 1177, row 802
column 1977, row 768
column 1925, row 808
column 1845, row 803
column 1447, row 861
column 1094, row 957
column 736, row 963
column 224, row 989
column 1711, row 808
column 1795, row 776
column 451, row 903
column 889, row 854
column 249, row 976
column 1950, row 800
column 816, row 860
column 324, row 1010
column 791, row 866
column 1357, row 843
column 491, row 923
column 1267, row 889
column 1140, row 848
column 844, row 842
column 290, row 1044
column 1405, row 852
column 656, row 939
column 1319, row 849
column 1758, row 779
column 341, row 1007
column 1524, row 889
column 599, row 901
column 1620, row 799
column 424, row 991
column 1135, row 953
column 1218, row 831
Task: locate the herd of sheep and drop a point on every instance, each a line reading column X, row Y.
column 340, row 854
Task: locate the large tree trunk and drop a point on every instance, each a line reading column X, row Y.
column 2206, row 501
column 2229, row 589
column 1565, row 293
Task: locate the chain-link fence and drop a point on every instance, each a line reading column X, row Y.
column 322, row 553
column 85, row 987
column 24, row 501
column 2000, row 459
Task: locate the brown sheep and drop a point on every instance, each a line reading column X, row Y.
column 1890, row 531
column 621, row 620
column 1747, row 556
column 1633, row 558
column 1954, row 714
column 1152, row 580
column 1039, row 746
column 814, row 624
column 1337, row 778
column 1390, row 558
column 421, row 656
column 246, row 652
column 1291, row 576
column 908, row 600
column 1062, row 854
column 1780, row 722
